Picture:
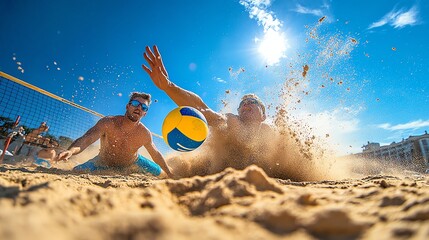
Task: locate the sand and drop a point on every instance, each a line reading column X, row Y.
column 37, row 203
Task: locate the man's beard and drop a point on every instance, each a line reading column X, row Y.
column 131, row 117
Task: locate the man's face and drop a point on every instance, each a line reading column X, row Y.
column 251, row 110
column 137, row 108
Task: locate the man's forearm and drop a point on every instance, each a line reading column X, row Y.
column 161, row 162
column 183, row 97
column 77, row 146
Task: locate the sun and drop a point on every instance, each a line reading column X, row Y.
column 272, row 47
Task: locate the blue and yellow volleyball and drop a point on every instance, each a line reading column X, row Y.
column 185, row 129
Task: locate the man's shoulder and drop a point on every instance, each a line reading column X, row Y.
column 143, row 132
column 231, row 119
column 266, row 126
column 142, row 127
column 230, row 116
column 109, row 120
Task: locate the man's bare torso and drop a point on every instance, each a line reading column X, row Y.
column 238, row 144
column 119, row 143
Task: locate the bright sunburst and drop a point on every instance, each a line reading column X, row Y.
column 272, row 47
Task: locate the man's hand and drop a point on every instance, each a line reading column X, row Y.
column 64, row 156
column 167, row 173
column 170, row 173
column 157, row 71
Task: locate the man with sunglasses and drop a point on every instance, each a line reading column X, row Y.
column 120, row 139
column 240, row 131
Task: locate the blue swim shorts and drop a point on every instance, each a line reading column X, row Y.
column 42, row 162
column 145, row 166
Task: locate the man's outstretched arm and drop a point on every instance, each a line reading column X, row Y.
column 80, row 144
column 158, row 158
column 180, row 96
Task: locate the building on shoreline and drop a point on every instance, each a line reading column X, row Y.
column 413, row 151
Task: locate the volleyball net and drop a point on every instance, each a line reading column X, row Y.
column 46, row 119
column 33, row 116
column 64, row 120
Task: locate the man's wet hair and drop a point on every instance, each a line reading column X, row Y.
column 254, row 96
column 143, row 95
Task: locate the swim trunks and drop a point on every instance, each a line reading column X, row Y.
column 42, row 162
column 148, row 166
column 144, row 165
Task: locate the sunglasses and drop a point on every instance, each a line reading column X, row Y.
column 136, row 103
column 249, row 101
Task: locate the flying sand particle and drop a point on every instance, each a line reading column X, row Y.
column 305, row 69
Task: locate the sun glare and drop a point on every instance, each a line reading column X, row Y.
column 272, row 47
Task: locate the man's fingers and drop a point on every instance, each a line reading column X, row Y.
column 150, row 54
column 146, row 69
column 157, row 53
column 163, row 72
column 159, row 58
column 57, row 158
column 63, row 156
column 148, row 60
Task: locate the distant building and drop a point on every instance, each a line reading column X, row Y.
column 413, row 151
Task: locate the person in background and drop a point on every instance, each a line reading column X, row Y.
column 120, row 139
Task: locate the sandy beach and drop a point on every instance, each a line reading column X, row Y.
column 272, row 119
column 37, row 203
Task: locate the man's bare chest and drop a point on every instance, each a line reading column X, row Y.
column 122, row 138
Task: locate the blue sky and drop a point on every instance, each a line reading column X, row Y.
column 368, row 60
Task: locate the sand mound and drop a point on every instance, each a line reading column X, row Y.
column 233, row 204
